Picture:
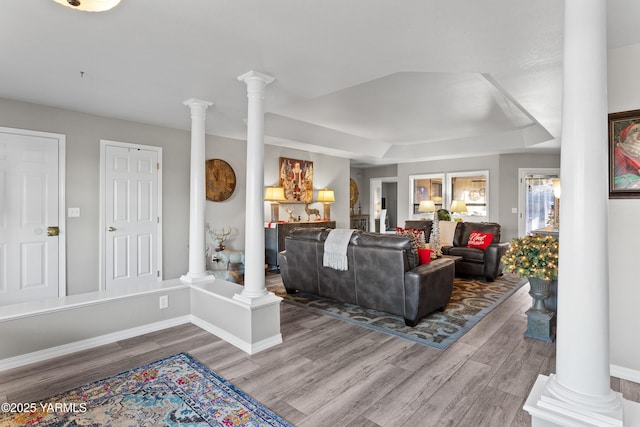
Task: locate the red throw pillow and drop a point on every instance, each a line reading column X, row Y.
column 425, row 255
column 479, row 240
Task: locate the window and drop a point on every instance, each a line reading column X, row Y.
column 536, row 199
column 471, row 188
column 425, row 187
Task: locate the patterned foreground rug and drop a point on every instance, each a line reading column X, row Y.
column 471, row 300
column 176, row 391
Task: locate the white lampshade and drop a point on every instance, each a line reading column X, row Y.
column 274, row 194
column 427, row 206
column 326, row 196
column 89, row 5
column 458, row 206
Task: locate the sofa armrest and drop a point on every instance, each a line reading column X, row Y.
column 284, row 270
column 428, row 287
column 493, row 259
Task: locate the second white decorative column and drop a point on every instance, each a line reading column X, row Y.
column 254, row 281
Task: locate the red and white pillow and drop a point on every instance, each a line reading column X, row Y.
column 479, row 240
column 418, row 241
column 414, row 233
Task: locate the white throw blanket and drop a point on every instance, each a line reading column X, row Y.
column 335, row 249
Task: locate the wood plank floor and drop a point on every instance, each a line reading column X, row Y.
column 329, row 372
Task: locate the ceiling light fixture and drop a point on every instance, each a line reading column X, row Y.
column 89, row 5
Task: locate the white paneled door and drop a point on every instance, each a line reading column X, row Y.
column 131, row 215
column 30, row 219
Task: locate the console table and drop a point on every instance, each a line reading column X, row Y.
column 274, row 236
column 360, row 222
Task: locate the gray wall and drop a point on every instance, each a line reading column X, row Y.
column 490, row 163
column 83, row 134
column 328, row 172
column 230, row 213
column 387, row 171
column 503, row 182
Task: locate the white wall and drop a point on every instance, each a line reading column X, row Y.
column 624, row 226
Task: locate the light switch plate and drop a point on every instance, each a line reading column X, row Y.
column 73, row 212
column 514, row 210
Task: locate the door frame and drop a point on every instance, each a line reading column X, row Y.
column 376, row 183
column 102, row 227
column 62, row 245
column 522, row 174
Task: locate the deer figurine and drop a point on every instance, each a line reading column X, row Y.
column 290, row 212
column 219, row 237
column 311, row 211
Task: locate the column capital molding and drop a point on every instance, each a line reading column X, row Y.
column 256, row 75
column 195, row 101
column 197, row 105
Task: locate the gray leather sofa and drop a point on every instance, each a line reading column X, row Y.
column 381, row 273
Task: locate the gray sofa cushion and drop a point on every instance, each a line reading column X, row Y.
column 469, row 254
column 318, row 234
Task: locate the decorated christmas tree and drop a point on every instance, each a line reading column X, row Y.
column 434, row 238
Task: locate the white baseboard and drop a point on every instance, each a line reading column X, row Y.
column 625, row 373
column 61, row 350
column 247, row 347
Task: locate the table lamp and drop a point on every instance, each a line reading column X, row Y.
column 427, row 206
column 326, row 197
column 274, row 195
column 458, row 206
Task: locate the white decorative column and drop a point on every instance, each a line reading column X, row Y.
column 579, row 394
column 254, row 283
column 197, row 262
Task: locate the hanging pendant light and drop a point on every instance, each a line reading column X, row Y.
column 89, row 5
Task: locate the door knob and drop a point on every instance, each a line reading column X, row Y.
column 53, row 231
column 111, row 229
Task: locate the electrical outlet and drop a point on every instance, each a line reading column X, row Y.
column 74, row 212
column 164, row 301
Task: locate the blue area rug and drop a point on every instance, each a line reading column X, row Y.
column 176, row 391
column 471, row 300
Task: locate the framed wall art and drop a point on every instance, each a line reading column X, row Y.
column 296, row 177
column 624, row 154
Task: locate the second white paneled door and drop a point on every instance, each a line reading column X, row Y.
column 131, row 232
